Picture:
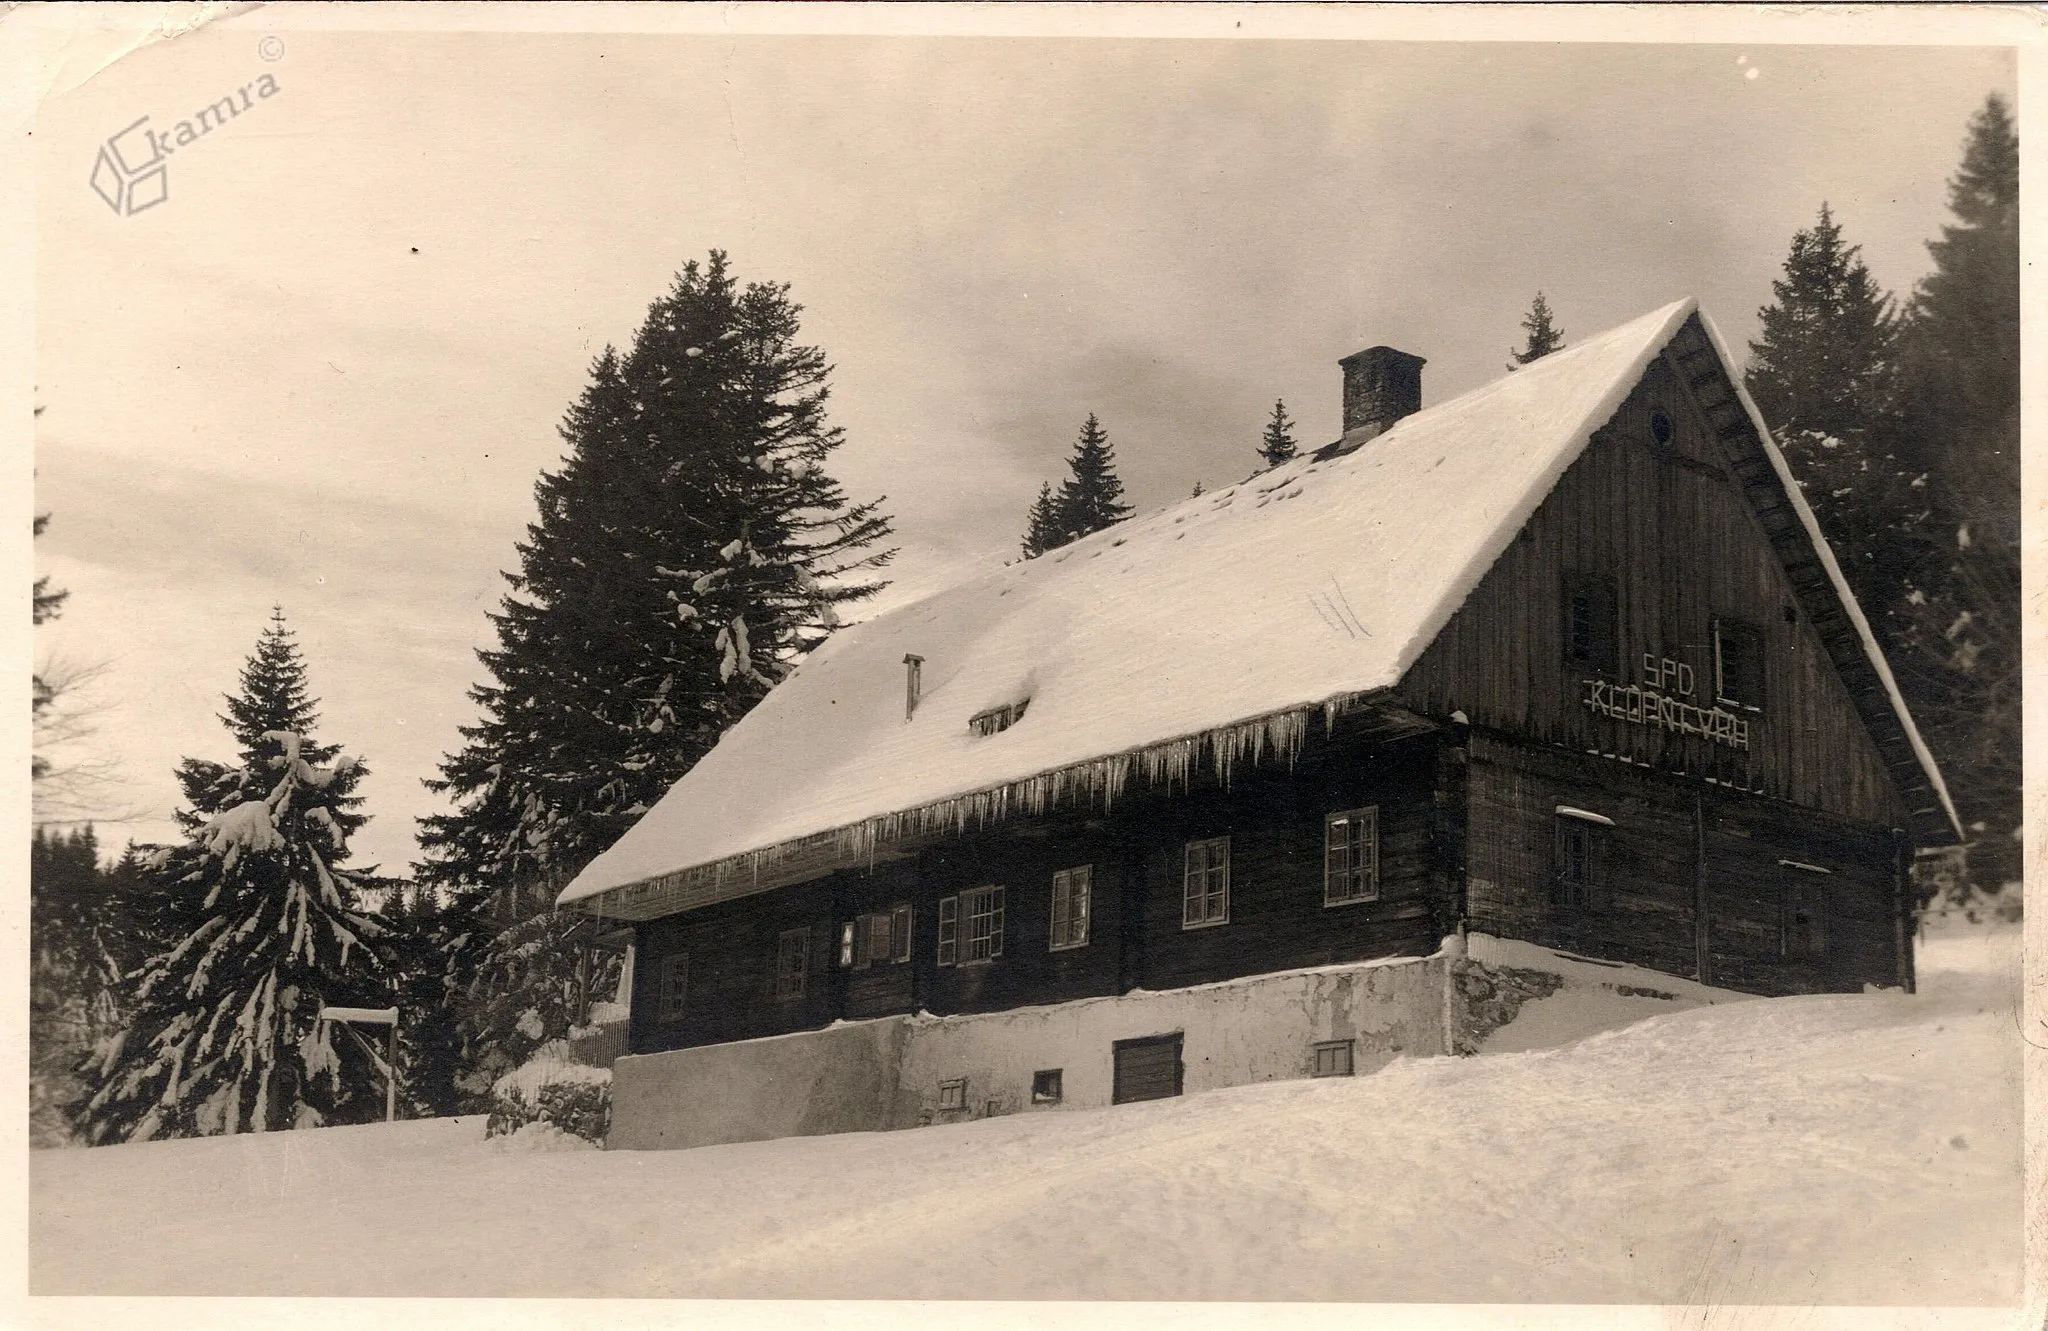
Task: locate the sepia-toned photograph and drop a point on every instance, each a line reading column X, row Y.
column 983, row 656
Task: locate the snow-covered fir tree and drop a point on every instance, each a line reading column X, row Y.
column 1277, row 444
column 1541, row 335
column 1960, row 407
column 1823, row 373
column 255, row 925
column 1091, row 497
column 690, row 549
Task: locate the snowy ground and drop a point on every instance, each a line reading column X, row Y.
column 1814, row 1150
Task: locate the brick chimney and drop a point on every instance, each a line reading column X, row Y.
column 1381, row 385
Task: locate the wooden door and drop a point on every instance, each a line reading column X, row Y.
column 1147, row 1069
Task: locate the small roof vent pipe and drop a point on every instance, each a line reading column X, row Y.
column 913, row 683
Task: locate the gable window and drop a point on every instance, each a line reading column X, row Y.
column 1071, row 890
column 672, row 987
column 949, row 930
column 1803, row 923
column 983, row 909
column 1738, row 663
column 1351, row 857
column 1592, row 630
column 792, row 962
column 1205, row 883
column 1579, row 859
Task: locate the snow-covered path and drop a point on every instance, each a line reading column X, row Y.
column 1813, row 1150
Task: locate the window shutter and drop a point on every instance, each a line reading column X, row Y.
column 848, row 944
column 899, row 933
column 949, row 930
column 1081, row 891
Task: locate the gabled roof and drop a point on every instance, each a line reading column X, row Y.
column 1220, row 622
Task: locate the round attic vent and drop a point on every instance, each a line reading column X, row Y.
column 1660, row 427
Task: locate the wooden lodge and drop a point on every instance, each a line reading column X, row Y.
column 1563, row 661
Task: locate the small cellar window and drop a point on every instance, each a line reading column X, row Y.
column 1045, row 1086
column 997, row 719
column 953, row 1093
column 1332, row 1058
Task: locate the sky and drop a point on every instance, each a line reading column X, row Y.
column 326, row 370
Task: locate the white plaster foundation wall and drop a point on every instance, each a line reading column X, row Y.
column 1259, row 1028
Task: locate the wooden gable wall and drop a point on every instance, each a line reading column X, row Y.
column 1670, row 525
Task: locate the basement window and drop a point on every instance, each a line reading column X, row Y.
column 672, row 987
column 792, row 962
column 953, row 1094
column 1330, row 1058
column 1045, row 1086
column 1351, row 857
column 997, row 719
column 1205, row 883
column 1071, row 890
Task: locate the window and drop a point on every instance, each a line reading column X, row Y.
column 1071, row 889
column 1660, row 426
column 1738, row 663
column 792, row 962
column 998, row 718
column 672, row 986
column 1351, row 857
column 1580, row 850
column 1802, row 930
column 878, row 937
column 1045, row 1086
column 1205, row 886
column 983, row 908
column 1330, row 1058
column 953, row 1094
column 949, row 930
column 1592, row 634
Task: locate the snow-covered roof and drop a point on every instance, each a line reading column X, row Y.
column 1309, row 584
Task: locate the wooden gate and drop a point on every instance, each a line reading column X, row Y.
column 1147, row 1069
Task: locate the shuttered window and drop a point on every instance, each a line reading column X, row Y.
column 1351, row 857
column 1592, row 631
column 792, row 962
column 983, row 908
column 1071, row 890
column 672, row 987
column 877, row 938
column 1205, row 883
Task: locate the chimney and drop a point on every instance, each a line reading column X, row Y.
column 913, row 683
column 1381, row 385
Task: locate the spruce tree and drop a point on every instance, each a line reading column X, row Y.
column 1960, row 405
column 1042, row 528
column 1091, row 497
column 1277, row 444
column 256, row 927
column 1542, row 335
column 1823, row 373
column 690, row 549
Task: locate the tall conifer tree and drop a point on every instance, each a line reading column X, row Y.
column 1091, row 497
column 256, row 926
column 1541, row 335
column 1277, row 444
column 688, row 551
column 1042, row 526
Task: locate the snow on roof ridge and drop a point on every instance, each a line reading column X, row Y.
column 1132, row 636
column 1834, row 572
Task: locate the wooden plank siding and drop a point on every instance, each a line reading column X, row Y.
column 1648, row 897
column 1674, row 532
column 1273, row 814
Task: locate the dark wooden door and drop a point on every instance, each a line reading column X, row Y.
column 1147, row 1069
